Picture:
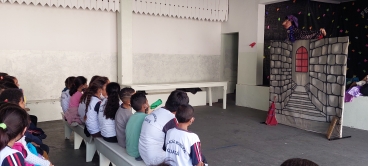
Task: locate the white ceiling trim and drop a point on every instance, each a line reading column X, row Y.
column 208, row 10
column 106, row 5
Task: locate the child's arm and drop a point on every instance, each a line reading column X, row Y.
column 196, row 154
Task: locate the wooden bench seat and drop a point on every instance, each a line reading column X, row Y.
column 79, row 136
column 112, row 152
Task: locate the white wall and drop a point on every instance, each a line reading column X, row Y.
column 247, row 18
column 174, row 50
column 41, row 46
column 169, row 49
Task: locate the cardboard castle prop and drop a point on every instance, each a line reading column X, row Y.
column 308, row 79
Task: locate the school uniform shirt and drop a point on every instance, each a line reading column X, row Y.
column 82, row 111
column 183, row 147
column 121, row 119
column 132, row 132
column 11, row 157
column 107, row 126
column 64, row 100
column 92, row 124
column 152, row 138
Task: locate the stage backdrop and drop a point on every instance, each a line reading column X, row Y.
column 308, row 79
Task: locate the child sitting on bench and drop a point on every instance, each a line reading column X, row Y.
column 133, row 128
column 107, row 112
column 123, row 114
column 181, row 145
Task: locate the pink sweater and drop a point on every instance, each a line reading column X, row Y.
column 74, row 100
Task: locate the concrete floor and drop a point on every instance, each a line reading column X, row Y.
column 235, row 137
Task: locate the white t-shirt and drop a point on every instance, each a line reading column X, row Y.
column 107, row 126
column 64, row 100
column 152, row 138
column 92, row 118
column 183, row 147
column 11, row 157
column 82, row 111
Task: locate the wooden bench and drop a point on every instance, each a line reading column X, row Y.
column 165, row 86
column 112, row 152
column 79, row 136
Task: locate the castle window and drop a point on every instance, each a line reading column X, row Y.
column 301, row 60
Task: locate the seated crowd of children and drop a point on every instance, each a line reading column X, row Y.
column 21, row 140
column 156, row 137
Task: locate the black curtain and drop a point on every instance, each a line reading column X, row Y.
column 354, row 18
column 345, row 19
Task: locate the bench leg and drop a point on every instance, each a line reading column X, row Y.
column 90, row 151
column 224, row 95
column 104, row 161
column 67, row 131
column 209, row 96
column 77, row 141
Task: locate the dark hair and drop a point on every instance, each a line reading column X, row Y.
column 91, row 91
column 9, row 85
column 298, row 162
column 2, row 88
column 95, row 77
column 176, row 98
column 69, row 82
column 8, row 78
column 184, row 113
column 79, row 81
column 15, row 119
column 112, row 104
column 126, row 93
column 2, row 75
column 11, row 95
column 104, row 78
column 137, row 100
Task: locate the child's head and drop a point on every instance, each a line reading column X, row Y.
column 94, row 89
column 176, row 99
column 2, row 75
column 139, row 102
column 13, row 123
column 298, row 162
column 79, row 83
column 9, row 85
column 185, row 114
column 105, row 79
column 14, row 96
column 94, row 78
column 10, row 79
column 69, row 82
column 112, row 105
column 125, row 95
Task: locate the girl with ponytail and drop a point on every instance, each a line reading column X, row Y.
column 92, row 97
column 79, row 84
column 15, row 96
column 107, row 111
column 13, row 123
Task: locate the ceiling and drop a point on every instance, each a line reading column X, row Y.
column 333, row 1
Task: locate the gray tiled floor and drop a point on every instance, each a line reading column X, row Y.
column 236, row 137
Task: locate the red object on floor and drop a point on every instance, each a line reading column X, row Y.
column 271, row 116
